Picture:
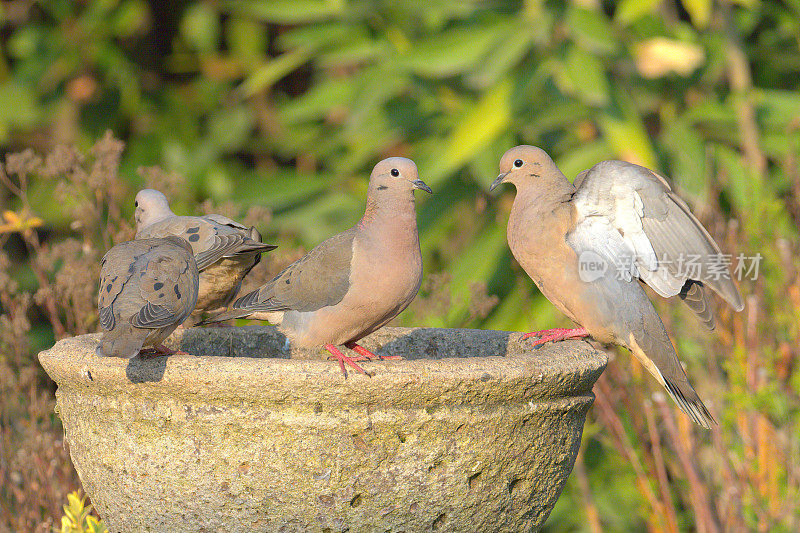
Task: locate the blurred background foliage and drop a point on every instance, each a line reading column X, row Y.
column 282, row 107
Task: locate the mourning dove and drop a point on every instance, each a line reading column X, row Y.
column 224, row 249
column 147, row 289
column 588, row 246
column 355, row 282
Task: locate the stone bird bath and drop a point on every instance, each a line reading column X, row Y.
column 473, row 431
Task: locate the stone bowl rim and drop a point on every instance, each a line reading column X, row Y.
column 562, row 370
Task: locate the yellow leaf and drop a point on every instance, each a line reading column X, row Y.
column 659, row 56
column 699, row 11
column 19, row 223
column 11, row 217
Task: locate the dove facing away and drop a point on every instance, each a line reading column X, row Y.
column 587, row 247
column 147, row 289
column 355, row 282
column 225, row 250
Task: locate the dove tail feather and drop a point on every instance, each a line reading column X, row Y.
column 690, row 403
column 662, row 362
column 250, row 248
column 227, row 315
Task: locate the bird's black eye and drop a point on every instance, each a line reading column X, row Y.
column 518, row 163
column 394, row 172
column 136, row 204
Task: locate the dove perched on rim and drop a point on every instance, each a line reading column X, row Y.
column 225, row 250
column 147, row 289
column 587, row 246
column 354, row 282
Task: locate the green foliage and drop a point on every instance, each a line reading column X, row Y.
column 288, row 104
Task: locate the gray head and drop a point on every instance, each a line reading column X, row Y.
column 391, row 188
column 151, row 206
column 524, row 165
column 396, row 174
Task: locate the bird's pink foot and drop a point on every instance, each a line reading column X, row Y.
column 557, row 334
column 366, row 355
column 343, row 359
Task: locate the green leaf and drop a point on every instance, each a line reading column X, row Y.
column 688, row 152
column 288, row 11
column 130, row 19
column 25, row 41
column 524, row 309
column 503, row 58
column 711, row 113
column 587, row 76
column 272, row 71
column 744, row 191
column 557, row 115
column 478, row 126
column 625, row 132
column 357, row 50
column 229, row 128
column 453, row 51
column 781, row 108
column 477, row 262
column 629, row 10
column 18, row 108
column 246, row 38
column 319, row 100
column 592, row 30
column 320, row 35
column 200, row 27
column 583, row 158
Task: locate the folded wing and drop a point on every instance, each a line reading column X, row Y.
column 212, row 237
column 319, row 279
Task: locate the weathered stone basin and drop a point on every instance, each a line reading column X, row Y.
column 474, row 431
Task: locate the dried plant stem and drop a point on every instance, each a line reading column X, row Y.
column 592, row 514
column 623, row 444
column 35, row 247
column 705, row 520
column 741, row 83
column 661, row 470
column 729, row 500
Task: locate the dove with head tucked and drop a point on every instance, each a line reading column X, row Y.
column 147, row 289
column 588, row 246
column 225, row 250
column 354, row 282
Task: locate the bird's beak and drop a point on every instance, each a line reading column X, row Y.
column 498, row 180
column 419, row 184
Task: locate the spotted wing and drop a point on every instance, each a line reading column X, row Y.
column 168, row 283
column 210, row 239
column 116, row 270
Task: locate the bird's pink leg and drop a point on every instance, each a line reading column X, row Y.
column 342, row 359
column 366, row 355
column 557, row 334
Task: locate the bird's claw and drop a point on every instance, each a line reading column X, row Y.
column 366, row 355
column 344, row 360
column 555, row 335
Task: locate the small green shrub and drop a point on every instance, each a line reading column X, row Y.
column 78, row 516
